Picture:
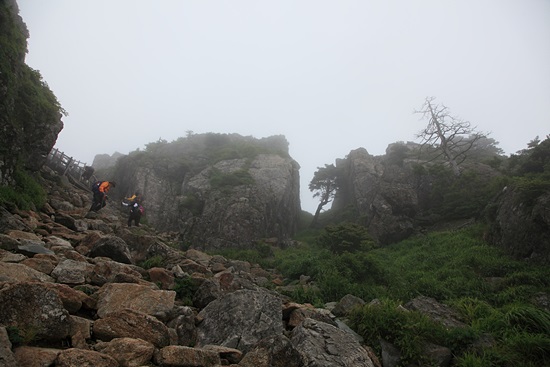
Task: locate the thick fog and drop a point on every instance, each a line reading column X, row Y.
column 331, row 76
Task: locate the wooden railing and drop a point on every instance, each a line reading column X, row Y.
column 68, row 166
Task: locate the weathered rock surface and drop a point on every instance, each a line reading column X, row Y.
column 35, row 310
column 323, row 345
column 521, row 227
column 220, row 202
column 240, row 319
column 387, row 197
column 132, row 324
column 435, row 310
column 128, row 352
column 114, row 297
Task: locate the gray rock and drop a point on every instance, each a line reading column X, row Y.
column 9, row 221
column 274, row 351
column 240, row 319
column 31, row 248
column 72, row 272
column 346, row 304
column 521, row 228
column 112, row 247
column 323, row 345
column 436, row 311
column 184, row 325
column 22, row 302
column 208, row 291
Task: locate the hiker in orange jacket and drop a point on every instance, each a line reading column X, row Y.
column 100, row 190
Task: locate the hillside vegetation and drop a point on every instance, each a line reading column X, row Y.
column 499, row 298
column 503, row 301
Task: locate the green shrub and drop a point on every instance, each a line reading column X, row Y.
column 526, row 349
column 221, row 180
column 185, row 288
column 344, row 237
column 306, row 295
column 26, row 194
column 192, row 203
column 152, row 262
column 408, row 330
column 22, row 336
column 527, row 318
column 457, row 268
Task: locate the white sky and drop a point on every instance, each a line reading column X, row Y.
column 331, row 76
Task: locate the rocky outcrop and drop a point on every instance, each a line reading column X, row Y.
column 335, row 349
column 217, row 191
column 397, row 194
column 239, row 216
column 30, row 115
column 104, row 161
column 386, row 196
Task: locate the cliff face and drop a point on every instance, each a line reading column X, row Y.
column 30, row 115
column 232, row 216
column 387, row 197
column 217, row 191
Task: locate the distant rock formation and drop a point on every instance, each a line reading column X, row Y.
column 388, row 197
column 397, row 194
column 217, row 191
column 104, row 161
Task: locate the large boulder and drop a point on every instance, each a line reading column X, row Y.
column 520, row 226
column 128, row 352
column 131, row 324
column 35, row 310
column 114, row 297
column 240, row 319
column 323, row 345
column 112, row 247
column 21, row 273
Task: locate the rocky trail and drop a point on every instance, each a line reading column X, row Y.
column 83, row 289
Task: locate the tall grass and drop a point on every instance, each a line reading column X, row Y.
column 492, row 292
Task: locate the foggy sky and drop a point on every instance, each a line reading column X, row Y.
column 331, row 76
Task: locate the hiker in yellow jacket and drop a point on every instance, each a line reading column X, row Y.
column 136, row 210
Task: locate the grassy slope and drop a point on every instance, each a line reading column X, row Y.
column 494, row 294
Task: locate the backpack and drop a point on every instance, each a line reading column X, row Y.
column 95, row 186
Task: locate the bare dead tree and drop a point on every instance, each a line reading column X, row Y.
column 450, row 136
